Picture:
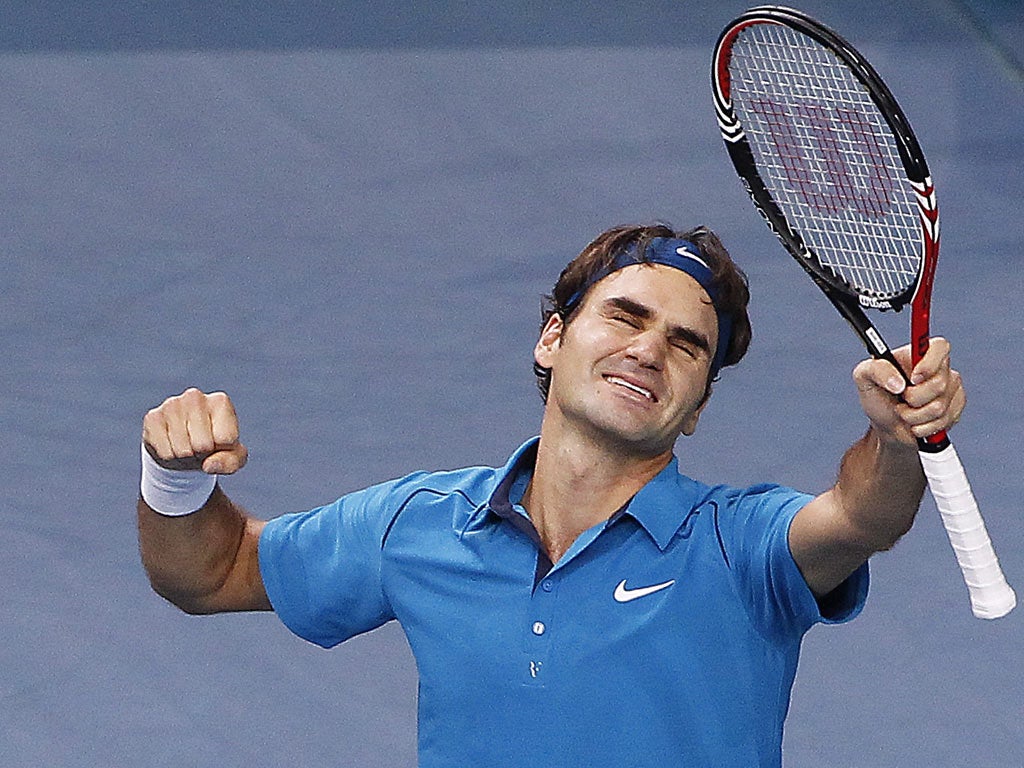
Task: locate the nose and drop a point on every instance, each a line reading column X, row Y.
column 648, row 349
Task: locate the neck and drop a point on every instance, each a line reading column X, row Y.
column 578, row 483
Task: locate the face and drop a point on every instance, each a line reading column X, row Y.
column 632, row 366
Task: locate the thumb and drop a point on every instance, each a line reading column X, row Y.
column 872, row 375
column 880, row 385
column 226, row 460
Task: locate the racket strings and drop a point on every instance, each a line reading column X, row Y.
column 828, row 158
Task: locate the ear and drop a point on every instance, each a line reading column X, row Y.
column 690, row 423
column 549, row 341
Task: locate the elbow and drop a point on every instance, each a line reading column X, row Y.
column 187, row 601
column 877, row 537
column 890, row 542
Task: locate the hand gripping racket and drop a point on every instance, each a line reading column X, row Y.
column 831, row 163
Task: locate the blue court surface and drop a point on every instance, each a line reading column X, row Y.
column 345, row 216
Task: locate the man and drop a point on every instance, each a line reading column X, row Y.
column 586, row 604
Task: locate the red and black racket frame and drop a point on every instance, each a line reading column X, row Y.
column 846, row 299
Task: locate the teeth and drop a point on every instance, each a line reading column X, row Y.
column 631, row 386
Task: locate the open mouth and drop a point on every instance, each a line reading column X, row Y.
column 632, row 387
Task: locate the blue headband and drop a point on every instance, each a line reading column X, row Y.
column 679, row 254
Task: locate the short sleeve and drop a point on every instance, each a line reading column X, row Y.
column 321, row 568
column 755, row 533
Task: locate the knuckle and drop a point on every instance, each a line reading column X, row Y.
column 221, row 402
column 220, row 398
column 154, row 418
column 172, row 405
column 191, row 397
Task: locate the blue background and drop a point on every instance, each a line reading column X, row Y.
column 345, row 216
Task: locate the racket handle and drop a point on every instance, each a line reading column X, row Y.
column 991, row 596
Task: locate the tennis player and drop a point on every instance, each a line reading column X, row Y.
column 586, row 603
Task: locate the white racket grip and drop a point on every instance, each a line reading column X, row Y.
column 991, row 596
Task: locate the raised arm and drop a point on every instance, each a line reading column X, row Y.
column 203, row 561
column 880, row 484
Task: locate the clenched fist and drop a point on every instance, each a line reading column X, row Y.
column 195, row 431
column 931, row 403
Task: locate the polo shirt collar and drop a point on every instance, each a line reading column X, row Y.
column 498, row 502
column 661, row 507
column 523, row 460
column 664, row 505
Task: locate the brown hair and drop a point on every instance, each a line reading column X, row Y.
column 574, row 283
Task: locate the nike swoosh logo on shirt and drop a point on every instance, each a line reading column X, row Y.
column 623, row 595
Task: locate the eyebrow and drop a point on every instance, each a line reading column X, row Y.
column 675, row 332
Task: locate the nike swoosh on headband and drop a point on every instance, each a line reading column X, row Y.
column 684, row 251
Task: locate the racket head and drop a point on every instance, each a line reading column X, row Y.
column 828, row 158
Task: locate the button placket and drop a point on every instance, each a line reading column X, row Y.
column 539, row 632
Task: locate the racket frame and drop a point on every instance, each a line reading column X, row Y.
column 991, row 596
column 846, row 298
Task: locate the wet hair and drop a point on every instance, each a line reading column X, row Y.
column 599, row 259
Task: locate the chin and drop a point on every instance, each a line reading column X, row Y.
column 636, row 442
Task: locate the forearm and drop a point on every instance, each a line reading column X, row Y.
column 880, row 484
column 871, row 505
column 204, row 562
column 879, row 490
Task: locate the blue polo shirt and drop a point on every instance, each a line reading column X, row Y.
column 666, row 636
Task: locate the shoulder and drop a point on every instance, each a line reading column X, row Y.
column 472, row 486
column 754, row 517
column 374, row 509
column 472, row 483
column 758, row 498
column 678, row 489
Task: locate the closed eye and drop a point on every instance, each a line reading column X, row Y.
column 623, row 310
column 690, row 342
column 626, row 311
column 629, row 320
column 684, row 346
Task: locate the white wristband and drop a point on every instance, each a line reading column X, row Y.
column 174, row 492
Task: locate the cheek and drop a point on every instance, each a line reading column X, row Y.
column 584, row 339
column 606, row 338
column 690, row 381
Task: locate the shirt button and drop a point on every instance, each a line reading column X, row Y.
column 538, row 627
column 547, row 585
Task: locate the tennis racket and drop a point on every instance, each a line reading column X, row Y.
column 832, row 164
